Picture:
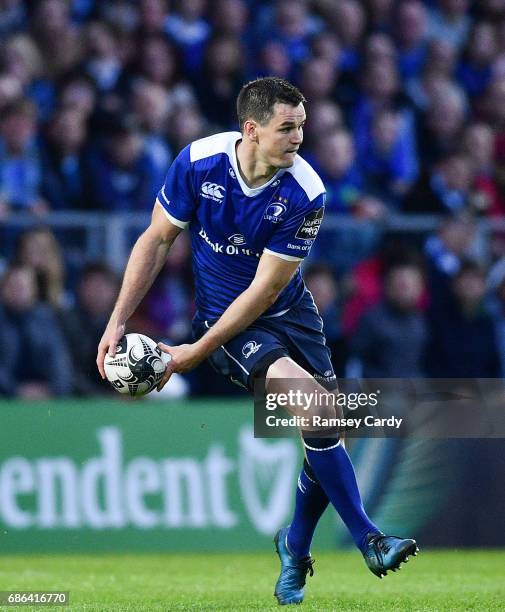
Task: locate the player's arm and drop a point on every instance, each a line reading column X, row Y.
column 272, row 276
column 146, row 260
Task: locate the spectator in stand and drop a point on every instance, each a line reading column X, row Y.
column 475, row 69
column 231, row 18
column 57, row 38
column 64, row 183
column 318, row 79
column 445, row 252
column 380, row 89
column 78, row 92
column 389, row 165
column 462, row 335
column 38, row 249
column 326, row 44
column 83, row 326
column 391, row 337
column 449, row 20
column 157, row 62
column 335, row 160
column 437, row 72
column 152, row 16
column 102, row 62
column 325, row 117
column 20, row 169
column 273, row 60
column 445, row 189
column 22, row 60
column 126, row 171
column 190, row 31
column 190, row 125
column 348, row 19
column 411, row 35
column 222, row 77
column 363, row 283
column 379, row 46
column 292, row 27
column 478, row 141
column 124, row 32
column 322, row 284
column 151, row 109
column 442, row 58
column 34, row 361
column 440, row 130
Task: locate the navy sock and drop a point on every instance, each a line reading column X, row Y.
column 311, row 502
column 333, row 468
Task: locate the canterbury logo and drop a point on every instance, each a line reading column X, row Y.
column 213, row 191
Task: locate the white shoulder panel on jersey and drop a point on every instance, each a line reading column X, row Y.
column 212, row 145
column 307, row 178
column 171, row 218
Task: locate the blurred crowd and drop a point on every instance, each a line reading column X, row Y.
column 406, row 114
column 406, row 99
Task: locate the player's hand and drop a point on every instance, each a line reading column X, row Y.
column 108, row 344
column 185, row 357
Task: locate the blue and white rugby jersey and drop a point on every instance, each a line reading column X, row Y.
column 231, row 225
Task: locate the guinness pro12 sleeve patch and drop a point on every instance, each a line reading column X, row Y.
column 310, row 225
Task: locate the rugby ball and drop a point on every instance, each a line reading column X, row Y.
column 137, row 367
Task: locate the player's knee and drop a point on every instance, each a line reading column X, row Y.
column 307, row 397
column 284, row 368
column 325, row 412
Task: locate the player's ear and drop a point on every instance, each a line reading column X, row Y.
column 250, row 130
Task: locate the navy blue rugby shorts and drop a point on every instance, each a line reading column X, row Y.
column 298, row 334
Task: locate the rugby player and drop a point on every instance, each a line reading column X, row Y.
column 253, row 207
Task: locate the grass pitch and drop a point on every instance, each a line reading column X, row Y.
column 456, row 580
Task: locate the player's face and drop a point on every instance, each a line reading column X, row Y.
column 280, row 139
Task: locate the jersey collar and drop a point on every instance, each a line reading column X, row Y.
column 248, row 191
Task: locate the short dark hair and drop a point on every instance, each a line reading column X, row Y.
column 257, row 99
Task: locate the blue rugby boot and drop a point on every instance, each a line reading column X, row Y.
column 385, row 553
column 289, row 588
